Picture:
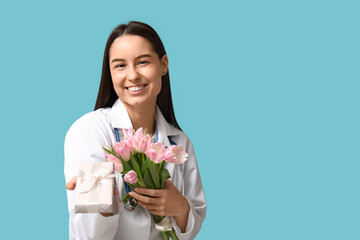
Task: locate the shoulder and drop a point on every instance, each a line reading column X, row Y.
column 90, row 123
column 180, row 137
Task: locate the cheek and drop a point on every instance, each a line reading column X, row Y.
column 116, row 79
column 117, row 83
column 157, row 82
column 158, row 86
column 156, row 78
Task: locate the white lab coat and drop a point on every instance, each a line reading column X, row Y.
column 84, row 142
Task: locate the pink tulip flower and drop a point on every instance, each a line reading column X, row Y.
column 155, row 152
column 142, row 144
column 122, row 149
column 139, row 134
column 129, row 144
column 117, row 163
column 175, row 154
column 128, row 133
column 131, row 177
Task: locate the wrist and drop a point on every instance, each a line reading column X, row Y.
column 184, row 209
column 182, row 218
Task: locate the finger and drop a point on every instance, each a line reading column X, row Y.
column 116, row 190
column 153, row 208
column 70, row 185
column 149, row 192
column 168, row 184
column 148, row 206
column 159, row 213
column 142, row 198
column 107, row 214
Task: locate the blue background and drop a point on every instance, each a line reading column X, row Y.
column 268, row 91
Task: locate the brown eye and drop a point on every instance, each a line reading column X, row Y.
column 120, row 66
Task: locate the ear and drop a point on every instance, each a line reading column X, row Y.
column 164, row 65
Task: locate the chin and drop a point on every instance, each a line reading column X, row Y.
column 139, row 103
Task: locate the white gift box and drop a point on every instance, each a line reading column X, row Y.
column 95, row 188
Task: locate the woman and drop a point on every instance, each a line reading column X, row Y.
column 135, row 92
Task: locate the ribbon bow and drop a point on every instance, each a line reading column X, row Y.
column 92, row 179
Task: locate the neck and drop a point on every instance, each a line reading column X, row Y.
column 142, row 116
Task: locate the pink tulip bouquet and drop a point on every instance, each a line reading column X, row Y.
column 141, row 163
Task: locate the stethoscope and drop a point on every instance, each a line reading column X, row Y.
column 131, row 203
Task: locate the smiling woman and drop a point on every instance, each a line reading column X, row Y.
column 135, row 93
column 136, row 71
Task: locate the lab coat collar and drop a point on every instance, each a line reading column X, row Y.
column 119, row 118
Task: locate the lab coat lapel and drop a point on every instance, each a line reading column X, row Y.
column 119, row 117
column 164, row 128
column 164, row 131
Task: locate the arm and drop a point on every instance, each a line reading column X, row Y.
column 194, row 194
column 84, row 142
column 188, row 210
column 164, row 202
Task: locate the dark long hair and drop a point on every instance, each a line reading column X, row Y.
column 107, row 95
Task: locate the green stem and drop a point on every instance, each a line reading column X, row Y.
column 140, row 183
column 173, row 234
column 165, row 235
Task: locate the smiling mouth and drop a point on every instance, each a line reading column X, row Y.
column 136, row 88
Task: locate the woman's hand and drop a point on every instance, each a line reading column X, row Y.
column 164, row 202
column 70, row 185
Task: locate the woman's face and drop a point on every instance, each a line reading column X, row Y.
column 136, row 71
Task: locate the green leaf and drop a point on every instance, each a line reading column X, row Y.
column 136, row 167
column 107, row 150
column 126, row 197
column 143, row 163
column 162, row 164
column 136, row 158
column 164, row 174
column 148, row 180
column 154, row 174
column 134, row 163
column 131, row 187
column 112, row 149
column 144, row 167
column 125, row 164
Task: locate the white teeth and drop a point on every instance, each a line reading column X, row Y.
column 133, row 89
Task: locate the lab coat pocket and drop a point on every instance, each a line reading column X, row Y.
column 95, row 226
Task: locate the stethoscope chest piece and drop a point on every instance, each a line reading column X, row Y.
column 130, row 204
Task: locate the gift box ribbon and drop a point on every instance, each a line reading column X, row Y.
column 165, row 225
column 90, row 183
column 90, row 180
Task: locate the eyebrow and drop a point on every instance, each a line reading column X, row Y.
column 123, row 60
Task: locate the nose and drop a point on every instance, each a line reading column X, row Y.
column 132, row 73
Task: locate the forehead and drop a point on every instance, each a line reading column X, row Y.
column 130, row 46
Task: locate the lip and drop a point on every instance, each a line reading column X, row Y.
column 136, row 92
column 139, row 85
